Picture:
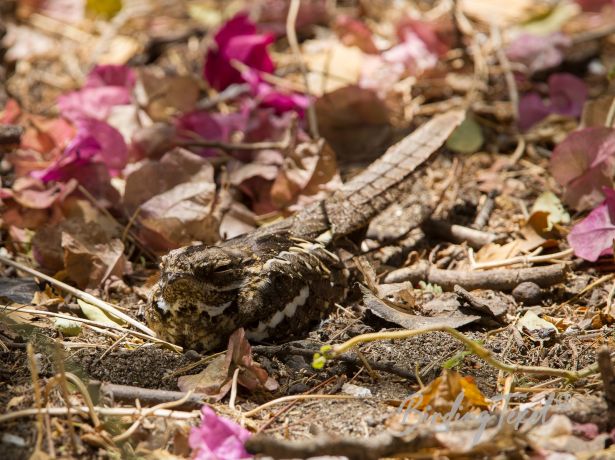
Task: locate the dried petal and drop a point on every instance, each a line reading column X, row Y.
column 584, row 163
column 593, row 236
column 538, row 52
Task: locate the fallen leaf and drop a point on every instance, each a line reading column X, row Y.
column 547, row 211
column 94, row 313
column 167, row 96
column 88, row 263
column 176, row 199
column 440, row 395
column 216, row 379
column 67, row 327
column 467, row 137
column 392, row 313
column 535, row 327
column 584, row 163
column 300, row 183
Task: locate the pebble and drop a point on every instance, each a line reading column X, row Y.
column 298, row 388
column 528, row 293
column 295, row 362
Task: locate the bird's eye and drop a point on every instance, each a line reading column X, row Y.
column 223, row 268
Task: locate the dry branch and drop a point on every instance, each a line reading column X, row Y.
column 499, row 280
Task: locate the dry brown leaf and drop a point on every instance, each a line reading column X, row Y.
column 216, row 379
column 88, row 263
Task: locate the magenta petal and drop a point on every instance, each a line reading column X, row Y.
column 532, row 109
column 268, row 96
column 567, row 93
column 238, row 41
column 593, row 236
column 111, row 75
column 113, row 150
column 240, row 24
column 96, row 141
column 80, row 151
column 218, row 438
column 92, row 102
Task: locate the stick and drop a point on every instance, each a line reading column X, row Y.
column 608, row 378
column 89, row 298
column 291, row 34
column 499, row 280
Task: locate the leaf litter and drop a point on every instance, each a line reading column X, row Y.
column 150, row 127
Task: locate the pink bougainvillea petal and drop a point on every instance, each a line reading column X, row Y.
column 532, row 109
column 237, row 40
column 92, row 102
column 111, row 75
column 593, row 236
column 106, row 86
column 218, row 438
column 538, row 52
column 583, row 163
column 96, row 141
column 567, row 94
column 268, row 96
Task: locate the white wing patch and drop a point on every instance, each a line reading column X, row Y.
column 289, row 310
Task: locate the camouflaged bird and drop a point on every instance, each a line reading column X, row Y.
column 278, row 280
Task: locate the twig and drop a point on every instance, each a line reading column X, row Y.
column 289, row 406
column 610, row 117
column 110, row 411
column 483, row 353
column 500, row 280
column 525, row 260
column 458, row 233
column 89, row 322
column 106, row 307
column 148, row 396
column 384, row 445
column 61, row 382
column 233, row 397
column 256, row 410
column 57, row 379
column 289, row 349
column 273, row 145
column 37, row 397
column 513, row 92
column 126, row 434
column 608, row 379
column 291, row 34
column 589, row 287
column 482, row 217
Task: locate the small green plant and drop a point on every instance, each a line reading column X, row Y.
column 320, row 359
column 433, row 288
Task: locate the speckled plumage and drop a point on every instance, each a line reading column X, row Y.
column 277, row 280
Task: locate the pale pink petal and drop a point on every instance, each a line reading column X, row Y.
column 593, row 236
column 218, row 438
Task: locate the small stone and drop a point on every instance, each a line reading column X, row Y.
column 527, row 293
column 298, row 388
column 192, row 355
column 295, row 362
